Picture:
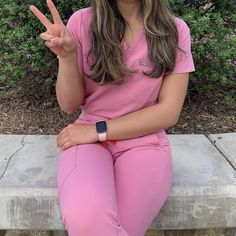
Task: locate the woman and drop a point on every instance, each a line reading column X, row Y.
column 126, row 63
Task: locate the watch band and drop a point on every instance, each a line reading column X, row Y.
column 102, row 137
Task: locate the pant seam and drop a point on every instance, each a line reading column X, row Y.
column 67, row 176
column 117, row 231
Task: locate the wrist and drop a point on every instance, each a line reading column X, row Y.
column 70, row 57
column 94, row 133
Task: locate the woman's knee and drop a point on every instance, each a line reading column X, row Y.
column 84, row 215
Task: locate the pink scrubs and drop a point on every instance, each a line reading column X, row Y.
column 117, row 190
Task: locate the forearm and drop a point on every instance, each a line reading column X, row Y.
column 140, row 123
column 69, row 86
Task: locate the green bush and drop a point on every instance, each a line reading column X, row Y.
column 23, row 55
column 212, row 25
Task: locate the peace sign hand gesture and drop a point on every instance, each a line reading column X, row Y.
column 57, row 37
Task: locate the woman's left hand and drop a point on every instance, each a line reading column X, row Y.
column 77, row 134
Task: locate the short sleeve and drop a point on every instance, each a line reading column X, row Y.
column 74, row 25
column 184, row 60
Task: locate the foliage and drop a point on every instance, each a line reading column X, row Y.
column 23, row 55
column 212, row 24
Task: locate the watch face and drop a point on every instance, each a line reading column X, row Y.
column 101, row 127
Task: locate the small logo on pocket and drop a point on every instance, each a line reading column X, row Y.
column 143, row 62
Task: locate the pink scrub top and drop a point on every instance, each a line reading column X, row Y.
column 138, row 91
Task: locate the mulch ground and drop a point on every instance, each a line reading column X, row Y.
column 30, row 114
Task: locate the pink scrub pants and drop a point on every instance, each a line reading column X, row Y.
column 116, row 190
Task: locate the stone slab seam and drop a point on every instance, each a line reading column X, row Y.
column 222, row 148
column 214, row 144
column 12, row 155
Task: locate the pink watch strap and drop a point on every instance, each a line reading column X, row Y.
column 102, row 137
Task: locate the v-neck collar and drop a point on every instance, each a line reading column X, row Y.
column 135, row 41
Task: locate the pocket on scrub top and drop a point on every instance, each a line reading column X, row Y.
column 149, row 139
column 143, row 65
column 158, row 139
column 162, row 138
column 154, row 138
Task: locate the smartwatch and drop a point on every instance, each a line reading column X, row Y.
column 101, row 127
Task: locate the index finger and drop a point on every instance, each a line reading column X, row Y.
column 44, row 20
column 54, row 12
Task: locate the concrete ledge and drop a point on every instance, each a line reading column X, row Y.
column 203, row 194
column 226, row 143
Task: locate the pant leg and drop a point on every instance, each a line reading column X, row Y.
column 143, row 181
column 86, row 191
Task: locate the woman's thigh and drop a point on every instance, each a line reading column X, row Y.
column 91, row 162
column 86, row 191
column 143, row 178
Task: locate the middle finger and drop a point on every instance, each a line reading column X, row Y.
column 54, row 12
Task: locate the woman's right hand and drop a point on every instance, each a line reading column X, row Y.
column 57, row 37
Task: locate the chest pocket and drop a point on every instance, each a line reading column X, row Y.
column 143, row 88
column 143, row 65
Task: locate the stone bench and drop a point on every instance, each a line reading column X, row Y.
column 203, row 194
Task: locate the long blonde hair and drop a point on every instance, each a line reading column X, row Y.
column 107, row 32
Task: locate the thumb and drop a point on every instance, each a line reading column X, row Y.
column 57, row 42
column 62, row 42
